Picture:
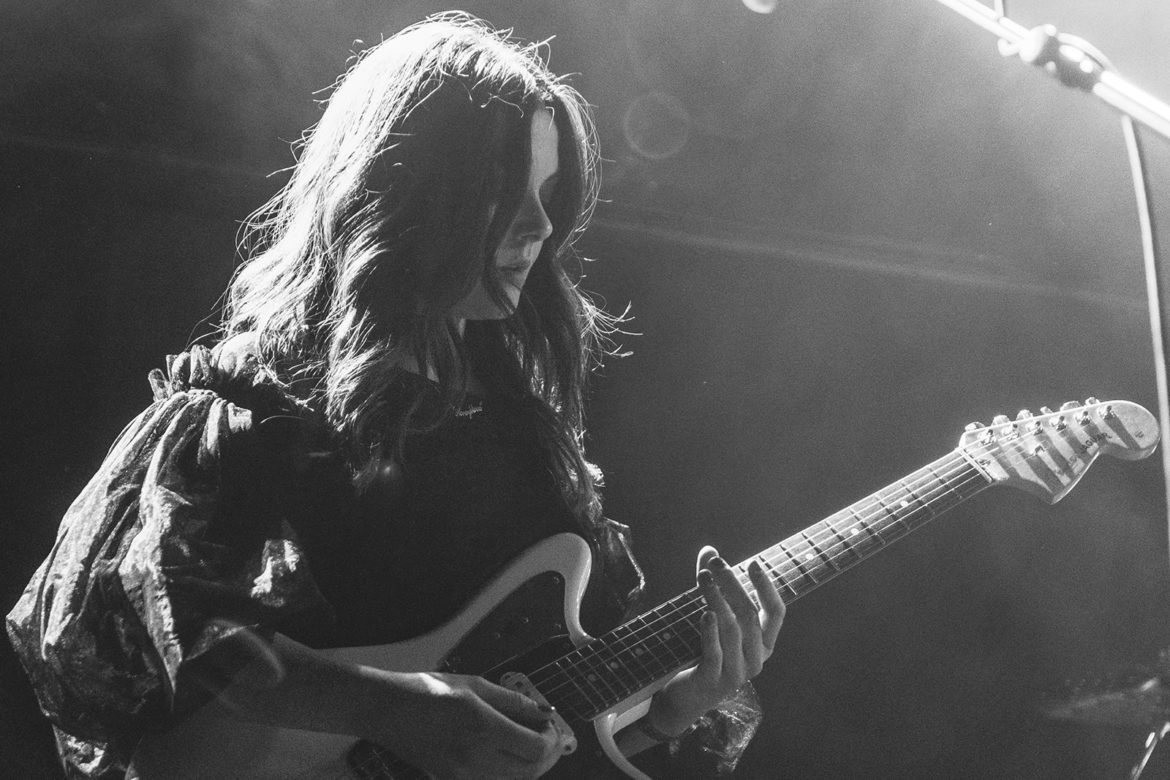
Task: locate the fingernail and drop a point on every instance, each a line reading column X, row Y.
column 704, row 577
column 547, row 708
column 754, row 567
column 718, row 562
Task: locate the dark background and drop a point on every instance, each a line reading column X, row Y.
column 846, row 230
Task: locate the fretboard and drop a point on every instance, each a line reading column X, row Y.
column 596, row 676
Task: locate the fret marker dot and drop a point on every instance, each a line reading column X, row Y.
column 809, row 556
column 613, row 664
column 591, row 678
column 905, row 504
column 666, row 635
column 853, row 532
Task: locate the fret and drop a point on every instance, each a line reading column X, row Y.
column 893, row 526
column 613, row 645
column 848, row 545
column 891, row 522
column 784, row 548
column 637, row 650
column 587, row 668
column 775, row 574
column 667, row 638
column 828, row 559
column 916, row 501
column 951, row 497
column 570, row 673
column 596, row 672
column 684, row 638
column 871, row 533
column 648, row 664
column 665, row 635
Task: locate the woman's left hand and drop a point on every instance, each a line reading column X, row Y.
column 737, row 638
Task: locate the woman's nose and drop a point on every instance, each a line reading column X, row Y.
column 534, row 222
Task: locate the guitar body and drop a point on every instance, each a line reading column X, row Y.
column 527, row 617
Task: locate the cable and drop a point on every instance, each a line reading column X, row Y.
column 1154, row 290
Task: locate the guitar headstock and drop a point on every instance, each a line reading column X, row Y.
column 1047, row 453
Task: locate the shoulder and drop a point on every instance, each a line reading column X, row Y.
column 221, row 396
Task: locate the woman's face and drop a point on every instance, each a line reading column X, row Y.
column 526, row 235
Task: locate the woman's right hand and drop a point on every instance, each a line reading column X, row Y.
column 457, row 726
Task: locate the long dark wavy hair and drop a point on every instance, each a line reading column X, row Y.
column 400, row 197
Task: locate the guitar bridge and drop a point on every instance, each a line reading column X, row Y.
column 519, row 682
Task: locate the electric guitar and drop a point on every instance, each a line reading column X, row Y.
column 523, row 630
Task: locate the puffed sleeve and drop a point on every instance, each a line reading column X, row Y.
column 179, row 543
column 713, row 746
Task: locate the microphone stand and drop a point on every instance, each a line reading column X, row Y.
column 1076, row 63
column 1070, row 59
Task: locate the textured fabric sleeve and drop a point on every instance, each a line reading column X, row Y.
column 713, row 746
column 177, row 544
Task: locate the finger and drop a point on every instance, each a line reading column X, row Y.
column 554, row 752
column 711, row 663
column 703, row 561
column 730, row 635
column 512, row 704
column 516, row 722
column 734, row 593
column 772, row 605
column 551, row 753
column 747, row 616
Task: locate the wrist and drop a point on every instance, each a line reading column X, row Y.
column 666, row 720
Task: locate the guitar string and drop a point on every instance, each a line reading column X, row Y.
column 926, row 500
column 678, row 613
column 829, row 553
column 940, row 485
column 692, row 600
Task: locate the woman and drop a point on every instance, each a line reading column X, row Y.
column 393, row 414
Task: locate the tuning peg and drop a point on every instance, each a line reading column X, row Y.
column 1059, row 423
column 1000, row 419
column 1068, row 405
column 973, row 426
column 1091, row 401
column 1045, row 410
column 1024, row 414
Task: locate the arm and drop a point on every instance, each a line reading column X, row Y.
column 452, row 726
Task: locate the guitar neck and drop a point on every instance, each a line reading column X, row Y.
column 663, row 640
